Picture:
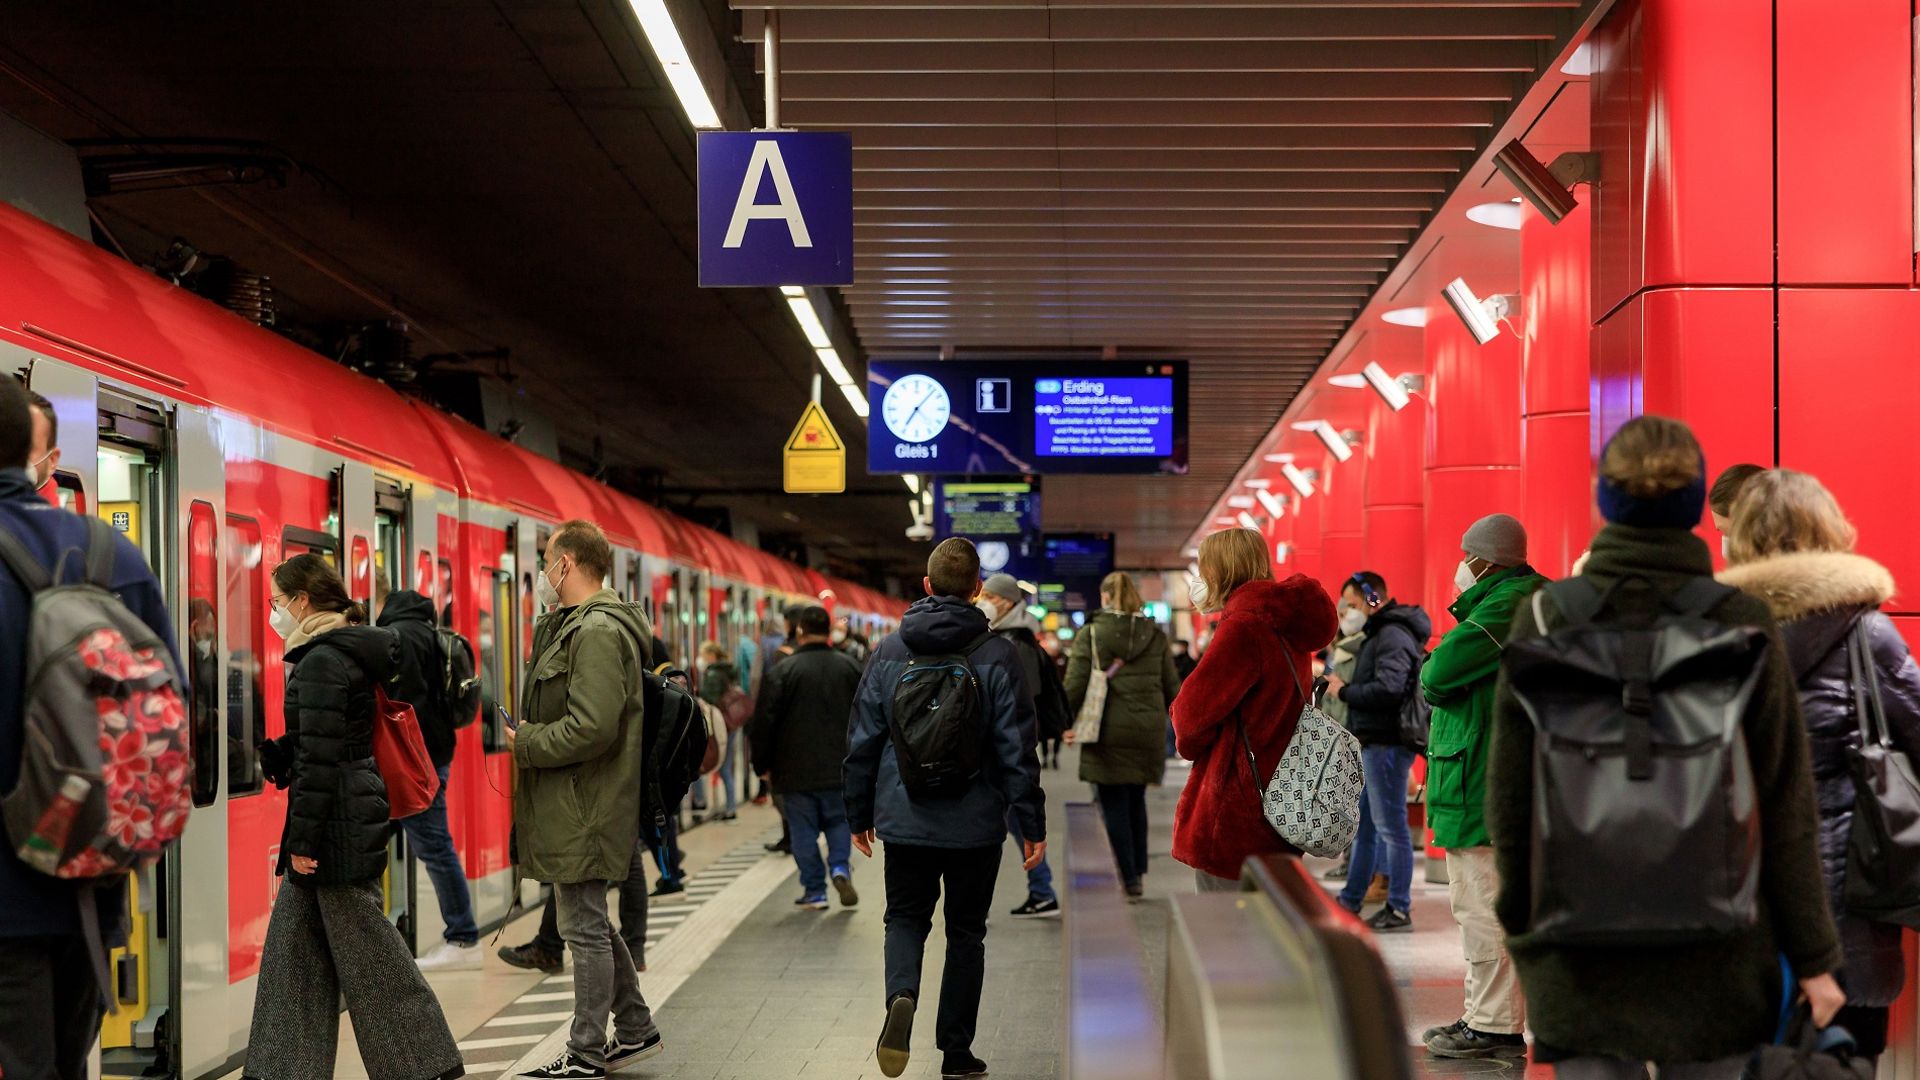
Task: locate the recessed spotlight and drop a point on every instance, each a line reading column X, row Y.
column 1277, row 459
column 1347, row 382
column 1580, row 64
column 1257, row 482
column 1497, row 215
column 1223, row 521
column 1406, row 316
column 1240, row 502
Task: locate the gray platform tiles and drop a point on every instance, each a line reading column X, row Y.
column 503, row 1040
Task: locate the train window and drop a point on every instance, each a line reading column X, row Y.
column 203, row 624
column 360, row 573
column 68, row 490
column 246, row 710
column 495, row 656
column 445, row 593
column 390, row 540
column 298, row 541
column 131, row 493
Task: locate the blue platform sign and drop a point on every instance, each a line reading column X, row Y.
column 776, row 208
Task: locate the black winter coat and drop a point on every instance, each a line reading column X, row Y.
column 421, row 680
column 1818, row 598
column 337, row 805
column 799, row 731
column 1386, row 673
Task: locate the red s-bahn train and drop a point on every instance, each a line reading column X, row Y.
column 220, row 449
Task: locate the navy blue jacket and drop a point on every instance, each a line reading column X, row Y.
column 31, row 903
column 976, row 818
column 1386, row 673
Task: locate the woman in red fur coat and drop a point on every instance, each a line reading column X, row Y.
column 1243, row 677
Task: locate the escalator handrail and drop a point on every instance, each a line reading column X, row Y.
column 1114, row 1031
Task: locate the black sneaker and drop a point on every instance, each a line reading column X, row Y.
column 1389, row 921
column 1433, row 1033
column 565, row 1067
column 621, row 1054
column 843, row 884
column 1135, row 891
column 1468, row 1043
column 669, row 886
column 534, row 958
column 1037, row 909
column 779, row 847
column 961, row 1067
column 896, row 1037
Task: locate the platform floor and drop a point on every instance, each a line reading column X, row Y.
column 745, row 986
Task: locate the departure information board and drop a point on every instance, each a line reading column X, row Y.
column 986, row 509
column 1021, row 417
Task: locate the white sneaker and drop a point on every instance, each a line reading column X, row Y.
column 451, row 956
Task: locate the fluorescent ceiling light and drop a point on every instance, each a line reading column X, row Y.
column 657, row 23
column 830, row 360
column 1580, row 64
column 856, row 397
column 1480, row 317
column 1275, row 508
column 1277, row 459
column 1406, row 316
column 809, row 321
column 1257, row 482
column 1336, row 442
column 1223, row 521
column 1390, row 389
column 1301, row 479
column 1247, row 521
column 792, row 290
column 1497, row 215
column 1347, row 382
column 1240, row 502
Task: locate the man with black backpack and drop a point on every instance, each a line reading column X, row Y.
column 940, row 746
column 50, row 997
column 443, row 699
column 580, row 753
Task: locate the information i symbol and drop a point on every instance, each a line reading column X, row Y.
column 993, row 395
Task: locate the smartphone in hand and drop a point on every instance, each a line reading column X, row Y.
column 507, row 718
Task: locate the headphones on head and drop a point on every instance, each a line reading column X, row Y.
column 1359, row 581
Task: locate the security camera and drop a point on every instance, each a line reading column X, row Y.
column 1548, row 187
column 1391, row 390
column 919, row 532
column 1482, row 317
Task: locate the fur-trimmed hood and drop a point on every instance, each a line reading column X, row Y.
column 1803, row 583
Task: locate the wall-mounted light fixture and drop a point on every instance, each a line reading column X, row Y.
column 1548, row 187
column 1394, row 391
column 1301, row 479
column 1481, row 317
column 1337, row 442
column 1248, row 521
column 1275, row 508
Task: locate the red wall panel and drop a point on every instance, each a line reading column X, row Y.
column 1475, row 394
column 1556, row 329
column 1844, row 105
column 1557, row 503
column 1395, row 548
column 1618, row 139
column 1308, row 519
column 1844, row 391
column 1396, row 454
column 1707, row 359
column 1456, row 498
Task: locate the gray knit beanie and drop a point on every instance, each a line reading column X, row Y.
column 1498, row 538
column 1004, row 586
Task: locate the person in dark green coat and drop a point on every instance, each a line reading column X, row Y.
column 1697, row 1008
column 1131, row 750
column 1458, row 680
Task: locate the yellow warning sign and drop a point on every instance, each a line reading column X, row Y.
column 815, row 461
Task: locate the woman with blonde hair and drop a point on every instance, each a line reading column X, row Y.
column 1692, row 1002
column 1130, row 752
column 1791, row 546
column 1252, row 679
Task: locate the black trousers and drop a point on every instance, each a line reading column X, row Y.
column 914, row 879
column 51, row 1008
column 1124, row 808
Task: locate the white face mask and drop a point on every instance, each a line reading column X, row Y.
column 1463, row 576
column 1352, row 620
column 545, row 593
column 1197, row 592
column 39, row 478
column 1726, row 546
column 986, row 608
column 283, row 622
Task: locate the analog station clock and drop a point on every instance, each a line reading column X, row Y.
column 916, row 408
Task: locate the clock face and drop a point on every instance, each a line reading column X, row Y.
column 916, row 408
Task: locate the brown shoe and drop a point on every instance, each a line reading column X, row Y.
column 1377, row 892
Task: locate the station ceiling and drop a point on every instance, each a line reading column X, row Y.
column 1222, row 182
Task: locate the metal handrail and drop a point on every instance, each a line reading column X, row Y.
column 1113, row 1031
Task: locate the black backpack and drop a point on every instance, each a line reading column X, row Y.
column 1053, row 715
column 459, row 684
column 1416, row 715
column 936, row 723
column 1640, row 765
column 674, row 741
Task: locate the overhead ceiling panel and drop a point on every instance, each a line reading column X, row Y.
column 1225, row 182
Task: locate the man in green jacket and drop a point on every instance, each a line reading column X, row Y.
column 576, row 808
column 1458, row 679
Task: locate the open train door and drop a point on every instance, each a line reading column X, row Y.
column 153, row 470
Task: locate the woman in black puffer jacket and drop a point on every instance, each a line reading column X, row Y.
column 329, row 936
column 1792, row 547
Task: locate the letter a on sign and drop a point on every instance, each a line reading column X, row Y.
column 776, row 208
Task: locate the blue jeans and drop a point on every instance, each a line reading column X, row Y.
column 726, row 773
column 810, row 813
column 427, row 835
column 1040, row 878
column 1383, row 825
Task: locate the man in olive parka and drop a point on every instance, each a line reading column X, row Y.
column 576, row 812
column 1458, row 680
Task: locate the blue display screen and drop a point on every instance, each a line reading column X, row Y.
column 959, row 418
